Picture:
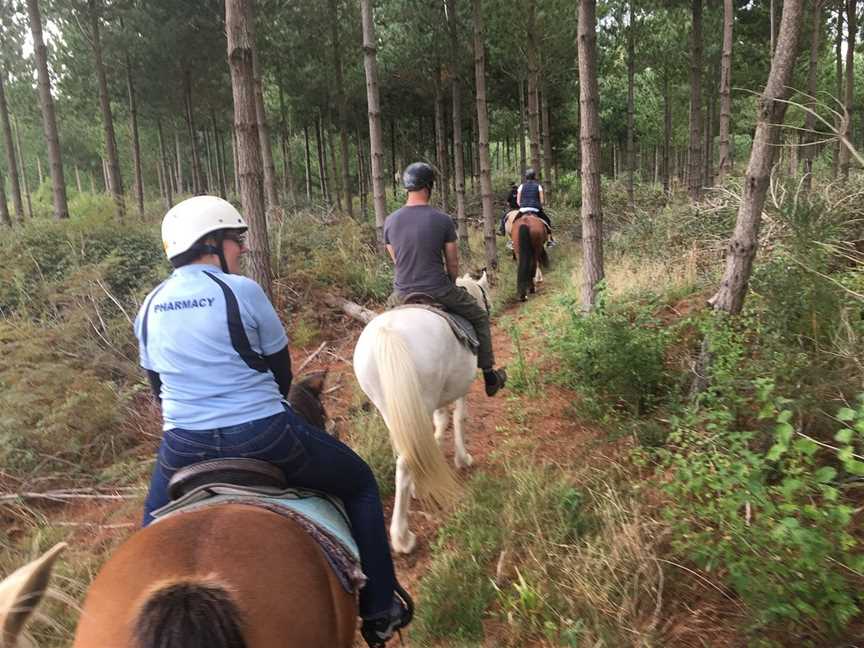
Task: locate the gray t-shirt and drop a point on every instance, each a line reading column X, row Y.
column 418, row 235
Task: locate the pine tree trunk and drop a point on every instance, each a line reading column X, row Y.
column 375, row 138
column 219, row 158
column 341, row 109
column 441, row 143
column 695, row 183
column 851, row 34
column 179, row 187
column 193, row 136
column 533, row 83
column 483, row 139
column 78, row 179
column 49, row 119
column 11, row 159
column 458, row 153
column 771, row 110
column 239, row 23
column 725, row 167
column 668, row 152
column 208, row 158
column 708, row 159
column 631, row 113
column 39, row 176
column 361, row 179
column 322, row 174
column 271, row 194
column 308, row 165
column 812, row 79
column 547, row 147
column 589, row 120
column 336, row 184
column 25, row 183
column 523, row 129
column 136, row 141
column 165, row 166
column 4, row 207
column 838, row 58
column 236, row 158
column 287, row 161
column 394, row 170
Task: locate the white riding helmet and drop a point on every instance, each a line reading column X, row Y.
column 188, row 221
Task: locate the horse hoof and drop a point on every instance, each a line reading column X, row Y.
column 463, row 462
column 406, row 544
column 523, row 298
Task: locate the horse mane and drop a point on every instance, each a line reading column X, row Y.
column 189, row 614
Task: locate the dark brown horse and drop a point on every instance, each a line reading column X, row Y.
column 228, row 576
column 529, row 236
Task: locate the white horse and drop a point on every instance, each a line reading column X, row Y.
column 411, row 366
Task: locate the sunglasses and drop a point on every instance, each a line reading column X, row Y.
column 239, row 239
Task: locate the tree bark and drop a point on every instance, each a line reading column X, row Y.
column 523, row 129
column 547, row 146
column 483, row 140
column 179, row 187
column 351, row 309
column 341, row 107
column 11, row 158
column 394, row 175
column 335, row 182
column 197, row 183
column 812, row 79
column 771, row 110
column 4, row 207
column 286, row 132
column 25, row 184
column 361, row 178
column 838, row 57
column 631, row 112
column 49, row 119
column 308, row 165
column 441, row 142
column 668, row 153
column 725, row 167
column 375, row 138
column 695, row 177
column 589, row 120
column 322, row 174
column 533, row 84
column 851, row 34
column 239, row 23
column 165, row 166
column 219, row 158
column 136, row 141
column 458, row 152
column 271, row 194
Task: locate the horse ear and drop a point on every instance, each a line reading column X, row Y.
column 315, row 380
column 21, row 592
column 484, row 279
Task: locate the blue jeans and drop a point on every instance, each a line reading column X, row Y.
column 310, row 458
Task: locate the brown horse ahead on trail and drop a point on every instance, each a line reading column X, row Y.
column 529, row 236
column 226, row 576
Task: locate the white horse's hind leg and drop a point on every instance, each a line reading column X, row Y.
column 460, row 414
column 401, row 538
column 441, row 417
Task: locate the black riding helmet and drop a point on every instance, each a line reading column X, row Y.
column 530, row 174
column 417, row 176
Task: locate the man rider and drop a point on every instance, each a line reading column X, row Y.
column 417, row 235
column 530, row 198
column 217, row 358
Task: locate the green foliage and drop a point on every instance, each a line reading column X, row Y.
column 614, row 358
column 775, row 520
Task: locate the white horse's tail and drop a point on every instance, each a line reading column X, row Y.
column 409, row 421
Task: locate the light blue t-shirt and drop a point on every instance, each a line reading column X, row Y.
column 204, row 332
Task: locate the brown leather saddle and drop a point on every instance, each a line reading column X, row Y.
column 252, row 473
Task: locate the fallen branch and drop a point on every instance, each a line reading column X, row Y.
column 311, row 357
column 350, row 308
column 61, row 496
column 122, row 525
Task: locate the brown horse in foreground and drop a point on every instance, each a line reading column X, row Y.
column 230, row 576
column 529, row 236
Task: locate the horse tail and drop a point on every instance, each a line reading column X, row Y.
column 525, row 272
column 189, row 614
column 409, row 421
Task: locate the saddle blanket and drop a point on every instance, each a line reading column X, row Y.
column 322, row 516
column 461, row 327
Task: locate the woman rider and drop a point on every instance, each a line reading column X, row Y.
column 217, row 358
